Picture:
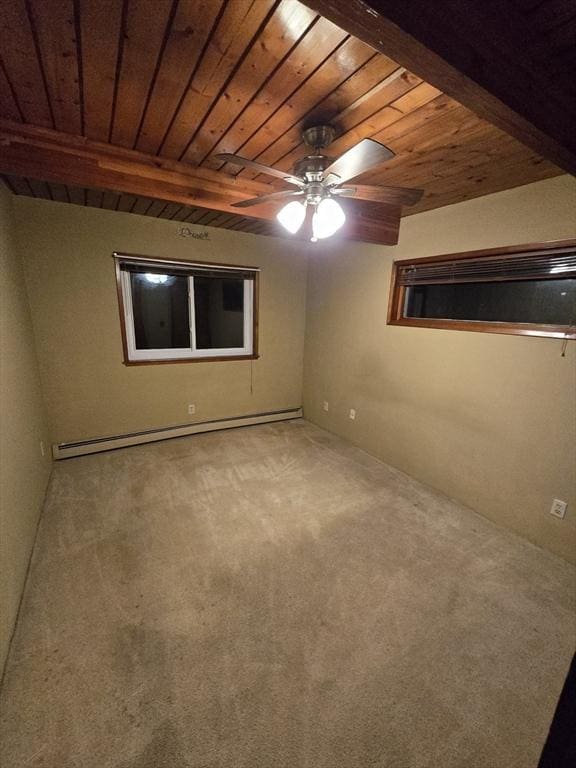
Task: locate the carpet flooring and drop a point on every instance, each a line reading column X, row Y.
column 272, row 597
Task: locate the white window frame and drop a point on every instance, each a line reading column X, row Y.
column 192, row 352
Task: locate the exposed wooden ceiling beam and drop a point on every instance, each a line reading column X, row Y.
column 50, row 156
column 476, row 52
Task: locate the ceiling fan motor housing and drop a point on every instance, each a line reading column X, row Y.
column 311, row 167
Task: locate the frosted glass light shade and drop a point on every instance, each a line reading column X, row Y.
column 327, row 219
column 292, row 216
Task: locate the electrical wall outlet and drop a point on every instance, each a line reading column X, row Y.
column 191, row 409
column 352, row 414
column 325, row 405
column 42, row 448
column 558, row 508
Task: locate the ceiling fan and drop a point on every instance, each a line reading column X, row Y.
column 319, row 181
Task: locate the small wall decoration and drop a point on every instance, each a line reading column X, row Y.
column 187, row 232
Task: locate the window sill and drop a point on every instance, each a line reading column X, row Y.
column 176, row 360
column 512, row 329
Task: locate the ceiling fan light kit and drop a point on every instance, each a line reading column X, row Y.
column 292, row 216
column 327, row 219
column 319, row 180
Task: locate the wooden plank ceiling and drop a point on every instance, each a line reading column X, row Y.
column 511, row 62
column 180, row 80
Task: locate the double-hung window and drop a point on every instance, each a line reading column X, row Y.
column 173, row 311
column 528, row 290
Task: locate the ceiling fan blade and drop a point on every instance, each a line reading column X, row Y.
column 331, row 180
column 361, row 158
column 237, row 160
column 390, row 195
column 267, row 198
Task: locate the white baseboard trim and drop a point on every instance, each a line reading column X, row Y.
column 98, row 444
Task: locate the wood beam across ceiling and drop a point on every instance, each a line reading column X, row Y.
column 50, row 156
column 479, row 53
column 47, row 155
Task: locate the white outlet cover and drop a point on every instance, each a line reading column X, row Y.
column 558, row 508
column 325, row 405
column 191, row 409
column 352, row 413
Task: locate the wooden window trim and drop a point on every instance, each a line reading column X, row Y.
column 398, row 293
column 120, row 257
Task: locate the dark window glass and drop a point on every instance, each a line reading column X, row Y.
column 219, row 312
column 161, row 314
column 544, row 302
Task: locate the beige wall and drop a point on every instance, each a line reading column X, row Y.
column 71, row 282
column 488, row 419
column 24, row 472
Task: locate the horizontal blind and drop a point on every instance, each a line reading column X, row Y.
column 532, row 265
column 195, row 269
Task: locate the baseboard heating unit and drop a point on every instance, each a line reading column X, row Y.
column 97, row 444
